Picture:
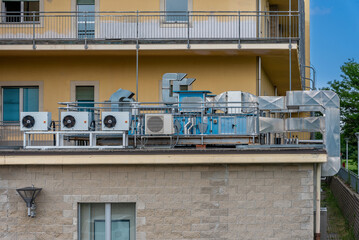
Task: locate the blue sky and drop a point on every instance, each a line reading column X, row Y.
column 334, row 36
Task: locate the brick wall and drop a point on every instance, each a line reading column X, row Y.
column 172, row 202
column 348, row 202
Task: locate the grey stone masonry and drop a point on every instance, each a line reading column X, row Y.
column 172, row 201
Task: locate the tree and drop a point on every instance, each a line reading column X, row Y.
column 348, row 91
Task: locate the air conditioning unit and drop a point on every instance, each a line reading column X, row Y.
column 35, row 121
column 77, row 121
column 158, row 124
column 117, row 121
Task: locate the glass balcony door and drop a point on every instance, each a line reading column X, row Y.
column 86, row 19
column 19, row 99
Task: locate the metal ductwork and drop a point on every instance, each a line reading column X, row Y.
column 120, row 99
column 326, row 102
column 172, row 82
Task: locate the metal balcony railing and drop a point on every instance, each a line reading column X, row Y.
column 151, row 27
column 350, row 177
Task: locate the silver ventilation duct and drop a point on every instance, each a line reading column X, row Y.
column 172, row 82
column 120, row 99
column 326, row 102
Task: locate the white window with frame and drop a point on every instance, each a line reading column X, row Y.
column 20, row 11
column 107, row 221
column 176, row 10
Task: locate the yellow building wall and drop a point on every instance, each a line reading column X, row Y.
column 267, row 88
column 154, row 5
column 215, row 73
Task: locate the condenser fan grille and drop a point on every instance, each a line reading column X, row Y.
column 109, row 121
column 155, row 124
column 28, row 121
column 69, row 121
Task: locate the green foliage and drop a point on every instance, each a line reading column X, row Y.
column 348, row 91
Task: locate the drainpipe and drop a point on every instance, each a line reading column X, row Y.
column 259, row 76
column 317, row 203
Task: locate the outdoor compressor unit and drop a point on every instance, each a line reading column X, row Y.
column 117, row 121
column 76, row 121
column 158, row 124
column 35, row 121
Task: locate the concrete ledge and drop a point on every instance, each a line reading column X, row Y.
column 92, row 47
column 160, row 159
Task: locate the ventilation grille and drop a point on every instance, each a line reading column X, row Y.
column 155, row 124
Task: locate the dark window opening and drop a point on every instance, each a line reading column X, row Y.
column 13, row 11
column 21, row 11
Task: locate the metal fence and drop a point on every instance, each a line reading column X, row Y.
column 149, row 26
column 350, row 177
column 12, row 137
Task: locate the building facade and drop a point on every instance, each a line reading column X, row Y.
column 85, row 50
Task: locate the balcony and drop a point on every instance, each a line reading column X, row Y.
column 124, row 28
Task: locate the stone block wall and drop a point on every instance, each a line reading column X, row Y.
column 172, row 201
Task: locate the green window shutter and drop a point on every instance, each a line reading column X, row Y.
column 85, row 93
column 85, row 2
column 31, row 99
column 11, row 104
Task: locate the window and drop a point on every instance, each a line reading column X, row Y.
column 21, row 11
column 176, row 10
column 86, row 21
column 19, row 99
column 99, row 219
column 85, row 94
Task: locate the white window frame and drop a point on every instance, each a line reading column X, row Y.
column 22, row 17
column 108, row 219
column 22, row 84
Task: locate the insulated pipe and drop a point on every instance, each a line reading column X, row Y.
column 189, row 129
column 186, row 126
column 317, row 204
column 137, row 46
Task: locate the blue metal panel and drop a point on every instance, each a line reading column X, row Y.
column 227, row 125
column 214, row 124
column 241, row 125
